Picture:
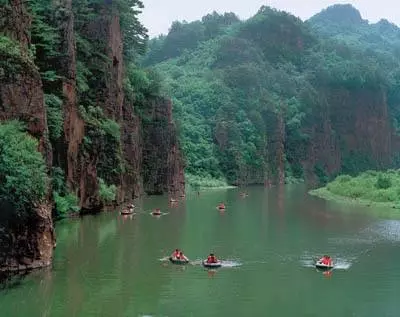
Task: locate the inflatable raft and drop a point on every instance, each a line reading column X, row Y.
column 178, row 261
column 212, row 265
column 322, row 266
column 127, row 212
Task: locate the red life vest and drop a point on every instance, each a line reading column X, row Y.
column 326, row 261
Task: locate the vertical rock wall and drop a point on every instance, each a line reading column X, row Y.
column 30, row 243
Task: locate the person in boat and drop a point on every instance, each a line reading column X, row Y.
column 176, row 254
column 182, row 256
column 221, row 206
column 157, row 211
column 212, row 258
column 127, row 210
column 326, row 260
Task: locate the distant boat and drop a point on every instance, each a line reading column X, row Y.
column 129, row 211
column 221, row 206
column 156, row 212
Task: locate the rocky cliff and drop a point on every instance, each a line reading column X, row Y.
column 133, row 149
column 354, row 128
column 30, row 243
column 102, row 136
column 160, row 145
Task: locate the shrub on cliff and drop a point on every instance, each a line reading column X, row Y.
column 12, row 61
column 23, row 178
column 55, row 118
column 107, row 193
column 65, row 204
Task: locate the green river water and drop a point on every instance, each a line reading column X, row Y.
column 110, row 265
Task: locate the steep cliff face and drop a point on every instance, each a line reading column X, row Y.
column 361, row 119
column 114, row 93
column 21, row 97
column 132, row 181
column 114, row 90
column 101, row 135
column 140, row 145
column 354, row 128
column 69, row 154
column 21, row 92
column 29, row 245
column 162, row 162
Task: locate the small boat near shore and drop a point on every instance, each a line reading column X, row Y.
column 128, row 210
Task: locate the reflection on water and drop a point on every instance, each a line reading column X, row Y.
column 115, row 265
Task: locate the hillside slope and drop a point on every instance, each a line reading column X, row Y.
column 273, row 99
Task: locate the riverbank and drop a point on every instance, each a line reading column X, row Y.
column 324, row 193
column 370, row 189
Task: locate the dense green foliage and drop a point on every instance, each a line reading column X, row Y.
column 23, row 178
column 195, row 182
column 248, row 89
column 55, row 118
column 370, row 186
column 186, row 36
column 107, row 193
column 12, row 61
column 65, row 204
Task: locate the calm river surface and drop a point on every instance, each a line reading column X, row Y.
column 108, row 265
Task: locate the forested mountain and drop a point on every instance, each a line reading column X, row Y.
column 82, row 126
column 274, row 99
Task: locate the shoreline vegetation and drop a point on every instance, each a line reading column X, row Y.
column 196, row 182
column 369, row 189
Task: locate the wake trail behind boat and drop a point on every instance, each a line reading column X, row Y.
column 342, row 264
column 229, row 264
column 224, row 263
column 162, row 214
